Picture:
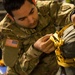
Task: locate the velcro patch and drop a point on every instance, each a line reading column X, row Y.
column 11, row 43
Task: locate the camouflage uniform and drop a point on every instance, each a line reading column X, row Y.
column 17, row 45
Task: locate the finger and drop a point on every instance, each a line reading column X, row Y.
column 48, row 47
column 48, row 42
column 73, row 18
column 51, row 50
column 46, row 37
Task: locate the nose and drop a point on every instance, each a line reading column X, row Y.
column 30, row 19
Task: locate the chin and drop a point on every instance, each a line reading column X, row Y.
column 33, row 26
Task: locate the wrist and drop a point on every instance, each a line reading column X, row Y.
column 33, row 51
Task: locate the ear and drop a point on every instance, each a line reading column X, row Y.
column 34, row 1
column 9, row 16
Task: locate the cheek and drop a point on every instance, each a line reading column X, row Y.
column 36, row 15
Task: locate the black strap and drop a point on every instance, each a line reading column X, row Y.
column 63, row 72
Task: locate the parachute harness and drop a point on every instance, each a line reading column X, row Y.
column 58, row 42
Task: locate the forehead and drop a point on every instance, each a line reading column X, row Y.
column 24, row 10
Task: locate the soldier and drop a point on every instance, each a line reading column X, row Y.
column 26, row 49
column 66, row 56
column 64, row 41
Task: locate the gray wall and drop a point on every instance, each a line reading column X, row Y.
column 2, row 11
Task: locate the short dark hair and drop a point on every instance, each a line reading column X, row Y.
column 11, row 5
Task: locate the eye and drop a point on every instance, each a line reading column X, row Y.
column 23, row 18
column 32, row 11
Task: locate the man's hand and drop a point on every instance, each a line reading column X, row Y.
column 44, row 44
column 73, row 18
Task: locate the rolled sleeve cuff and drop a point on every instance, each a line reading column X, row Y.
column 33, row 52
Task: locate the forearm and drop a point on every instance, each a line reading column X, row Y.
column 64, row 14
column 26, row 63
column 30, row 60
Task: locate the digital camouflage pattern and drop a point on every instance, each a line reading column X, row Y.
column 19, row 55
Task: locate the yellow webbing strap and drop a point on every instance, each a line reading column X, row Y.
column 1, row 63
column 58, row 42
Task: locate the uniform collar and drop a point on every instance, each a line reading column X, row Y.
column 42, row 22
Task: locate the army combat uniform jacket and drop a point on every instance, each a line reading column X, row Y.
column 19, row 55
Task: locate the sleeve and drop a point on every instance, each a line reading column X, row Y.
column 58, row 12
column 27, row 62
column 68, row 47
column 19, row 63
column 61, row 13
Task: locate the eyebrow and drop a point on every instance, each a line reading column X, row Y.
column 25, row 16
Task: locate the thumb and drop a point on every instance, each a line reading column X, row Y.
column 46, row 37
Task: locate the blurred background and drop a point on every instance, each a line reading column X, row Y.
column 2, row 11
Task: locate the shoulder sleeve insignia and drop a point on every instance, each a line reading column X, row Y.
column 11, row 43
